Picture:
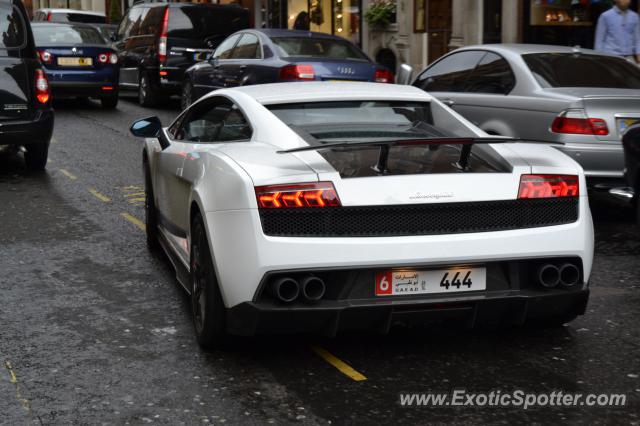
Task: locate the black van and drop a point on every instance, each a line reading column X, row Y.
column 157, row 42
column 26, row 116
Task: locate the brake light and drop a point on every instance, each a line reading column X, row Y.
column 299, row 195
column 42, row 87
column 384, row 76
column 111, row 58
column 45, row 57
column 548, row 186
column 297, row 72
column 49, row 16
column 575, row 121
column 162, row 41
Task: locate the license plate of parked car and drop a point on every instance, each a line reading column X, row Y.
column 78, row 62
column 625, row 123
column 452, row 280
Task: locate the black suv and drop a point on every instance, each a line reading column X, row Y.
column 157, row 42
column 26, row 117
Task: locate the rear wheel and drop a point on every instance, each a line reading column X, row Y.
column 150, row 211
column 186, row 97
column 146, row 96
column 209, row 312
column 36, row 156
column 110, row 102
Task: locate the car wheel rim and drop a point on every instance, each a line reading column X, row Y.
column 199, row 283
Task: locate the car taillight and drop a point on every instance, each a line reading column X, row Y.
column 299, row 195
column 162, row 41
column 111, row 58
column 548, row 186
column 384, row 76
column 45, row 57
column 42, row 87
column 297, row 72
column 576, row 122
column 49, row 16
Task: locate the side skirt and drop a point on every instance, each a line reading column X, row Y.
column 182, row 271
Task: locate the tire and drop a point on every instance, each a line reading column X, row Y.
column 150, row 211
column 146, row 96
column 186, row 96
column 110, row 102
column 36, row 156
column 207, row 307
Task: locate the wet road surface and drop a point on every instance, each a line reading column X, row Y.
column 95, row 329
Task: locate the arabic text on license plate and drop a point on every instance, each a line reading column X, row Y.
column 452, row 280
column 625, row 123
column 79, row 62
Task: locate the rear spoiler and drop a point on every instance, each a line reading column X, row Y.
column 385, row 146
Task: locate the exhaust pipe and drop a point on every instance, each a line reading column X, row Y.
column 548, row 275
column 569, row 275
column 313, row 288
column 285, row 289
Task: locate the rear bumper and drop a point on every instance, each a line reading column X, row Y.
column 600, row 160
column 62, row 89
column 332, row 317
column 28, row 132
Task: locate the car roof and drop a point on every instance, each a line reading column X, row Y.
column 47, row 24
column 523, row 49
column 84, row 12
column 277, row 32
column 275, row 93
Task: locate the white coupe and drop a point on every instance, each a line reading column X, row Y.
column 324, row 207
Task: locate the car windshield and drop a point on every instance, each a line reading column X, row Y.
column 321, row 123
column 49, row 35
column 581, row 70
column 305, row 47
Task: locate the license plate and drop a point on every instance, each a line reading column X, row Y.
column 451, row 280
column 625, row 123
column 75, row 62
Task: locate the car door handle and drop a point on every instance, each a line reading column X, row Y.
column 448, row 102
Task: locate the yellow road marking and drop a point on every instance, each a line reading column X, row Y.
column 136, row 200
column 136, row 194
column 14, row 380
column 342, row 366
column 53, row 140
column 137, row 222
column 99, row 196
column 68, row 174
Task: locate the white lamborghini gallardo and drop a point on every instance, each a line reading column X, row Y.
column 323, row 207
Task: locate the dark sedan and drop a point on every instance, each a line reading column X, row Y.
column 78, row 61
column 270, row 55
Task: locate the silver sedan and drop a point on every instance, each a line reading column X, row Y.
column 580, row 97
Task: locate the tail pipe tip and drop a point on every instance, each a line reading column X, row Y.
column 569, row 275
column 548, row 275
column 285, row 289
column 313, row 288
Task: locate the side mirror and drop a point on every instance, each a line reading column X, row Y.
column 149, row 127
column 404, row 74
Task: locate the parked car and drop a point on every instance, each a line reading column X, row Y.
column 270, row 55
column 69, row 15
column 323, row 207
column 157, row 42
column 78, row 61
column 26, row 117
column 580, row 97
column 108, row 31
column 631, row 192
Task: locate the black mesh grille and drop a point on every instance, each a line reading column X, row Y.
column 421, row 219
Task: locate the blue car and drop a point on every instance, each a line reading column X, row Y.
column 78, row 62
column 260, row 56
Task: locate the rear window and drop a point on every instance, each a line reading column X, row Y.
column 55, row 35
column 580, row 70
column 320, row 123
column 78, row 17
column 12, row 26
column 211, row 24
column 305, row 47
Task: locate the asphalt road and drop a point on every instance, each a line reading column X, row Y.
column 95, row 329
